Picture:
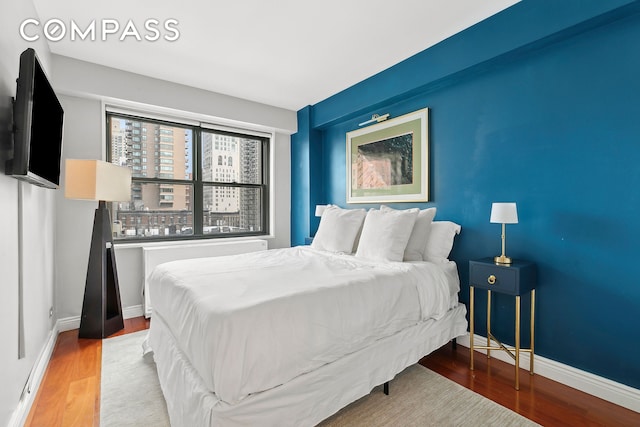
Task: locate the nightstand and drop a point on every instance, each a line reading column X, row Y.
column 515, row 279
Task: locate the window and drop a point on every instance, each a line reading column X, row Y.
column 200, row 197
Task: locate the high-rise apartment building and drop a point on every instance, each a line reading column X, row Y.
column 153, row 150
column 230, row 159
column 220, row 163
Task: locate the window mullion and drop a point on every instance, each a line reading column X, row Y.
column 198, row 212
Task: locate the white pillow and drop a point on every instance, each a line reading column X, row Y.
column 419, row 235
column 338, row 229
column 385, row 234
column 440, row 240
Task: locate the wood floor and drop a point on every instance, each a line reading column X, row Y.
column 540, row 399
column 70, row 391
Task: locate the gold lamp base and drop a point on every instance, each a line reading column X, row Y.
column 502, row 259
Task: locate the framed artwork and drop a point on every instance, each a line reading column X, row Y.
column 389, row 161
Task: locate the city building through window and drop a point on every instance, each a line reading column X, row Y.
column 204, row 183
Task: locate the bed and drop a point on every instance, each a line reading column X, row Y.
column 290, row 336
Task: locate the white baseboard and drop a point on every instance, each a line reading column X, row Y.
column 21, row 412
column 601, row 387
column 133, row 311
column 73, row 322
column 68, row 323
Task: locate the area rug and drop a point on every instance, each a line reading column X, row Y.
column 131, row 396
column 130, row 392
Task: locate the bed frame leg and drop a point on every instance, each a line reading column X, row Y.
column 385, row 388
column 454, row 343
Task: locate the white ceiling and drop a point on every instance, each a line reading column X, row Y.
column 286, row 53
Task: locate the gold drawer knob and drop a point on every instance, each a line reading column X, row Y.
column 491, row 279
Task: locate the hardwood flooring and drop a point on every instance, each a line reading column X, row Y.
column 70, row 391
column 69, row 394
column 540, row 399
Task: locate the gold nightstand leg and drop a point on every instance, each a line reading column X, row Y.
column 517, row 342
column 471, row 335
column 488, row 323
column 533, row 308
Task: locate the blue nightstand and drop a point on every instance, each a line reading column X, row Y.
column 515, row 279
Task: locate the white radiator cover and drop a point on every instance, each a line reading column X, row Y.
column 155, row 255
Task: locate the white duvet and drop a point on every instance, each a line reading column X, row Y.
column 252, row 322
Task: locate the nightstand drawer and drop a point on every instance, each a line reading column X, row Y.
column 493, row 278
column 514, row 279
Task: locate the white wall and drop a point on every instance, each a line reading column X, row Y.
column 79, row 78
column 82, row 140
column 38, row 214
column 84, row 87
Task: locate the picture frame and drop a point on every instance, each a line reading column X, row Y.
column 389, row 162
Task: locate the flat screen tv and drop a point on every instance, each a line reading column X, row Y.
column 37, row 126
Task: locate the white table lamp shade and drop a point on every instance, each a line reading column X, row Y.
column 96, row 180
column 320, row 209
column 504, row 213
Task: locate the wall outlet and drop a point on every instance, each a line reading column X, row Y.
column 50, row 312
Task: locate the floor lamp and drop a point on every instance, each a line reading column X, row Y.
column 102, row 182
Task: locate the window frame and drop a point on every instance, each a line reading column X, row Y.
column 197, row 182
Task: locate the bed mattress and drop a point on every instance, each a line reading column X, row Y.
column 252, row 322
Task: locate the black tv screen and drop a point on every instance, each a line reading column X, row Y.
column 38, row 123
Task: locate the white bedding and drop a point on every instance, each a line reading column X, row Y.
column 248, row 323
column 308, row 398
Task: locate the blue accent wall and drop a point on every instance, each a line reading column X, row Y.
column 307, row 182
column 540, row 105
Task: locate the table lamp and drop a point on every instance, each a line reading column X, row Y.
column 503, row 213
column 102, row 182
column 320, row 209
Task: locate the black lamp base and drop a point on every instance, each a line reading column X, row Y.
column 101, row 307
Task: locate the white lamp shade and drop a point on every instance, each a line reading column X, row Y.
column 504, row 213
column 320, row 209
column 96, row 180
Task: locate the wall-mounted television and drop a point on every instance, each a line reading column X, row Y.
column 37, row 126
